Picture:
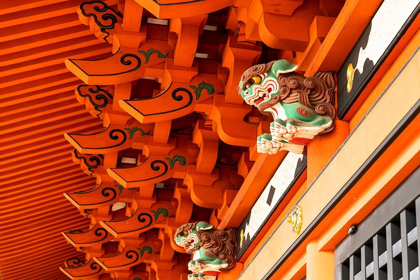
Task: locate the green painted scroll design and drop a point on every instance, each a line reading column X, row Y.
column 162, row 211
column 145, row 248
column 150, row 52
column 209, row 87
column 119, row 187
column 131, row 131
column 176, row 158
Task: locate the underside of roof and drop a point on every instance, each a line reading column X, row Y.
column 37, row 106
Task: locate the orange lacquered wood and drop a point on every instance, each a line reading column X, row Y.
column 36, row 108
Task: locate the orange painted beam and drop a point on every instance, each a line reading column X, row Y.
column 252, row 187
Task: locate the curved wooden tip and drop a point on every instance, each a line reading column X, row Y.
column 69, row 198
column 88, row 269
column 73, row 67
column 73, row 142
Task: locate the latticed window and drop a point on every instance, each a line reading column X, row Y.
column 386, row 243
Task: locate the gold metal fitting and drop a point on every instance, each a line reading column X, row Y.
column 295, row 218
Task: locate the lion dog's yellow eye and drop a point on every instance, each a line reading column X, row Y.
column 185, row 233
column 255, row 80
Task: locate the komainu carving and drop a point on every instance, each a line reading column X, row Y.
column 301, row 107
column 213, row 249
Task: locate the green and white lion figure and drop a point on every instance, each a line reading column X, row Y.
column 301, row 107
column 213, row 249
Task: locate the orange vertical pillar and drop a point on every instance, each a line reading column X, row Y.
column 319, row 264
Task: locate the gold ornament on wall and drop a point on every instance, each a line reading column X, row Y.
column 295, row 218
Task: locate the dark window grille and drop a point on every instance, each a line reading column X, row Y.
column 388, row 251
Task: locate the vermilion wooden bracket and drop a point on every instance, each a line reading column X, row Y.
column 113, row 139
column 89, row 163
column 163, row 161
column 100, row 18
column 142, row 220
column 179, row 8
column 216, row 183
column 185, row 90
column 237, row 58
column 228, row 121
column 106, row 193
column 129, row 256
column 95, row 235
column 125, row 65
column 89, row 269
column 188, row 30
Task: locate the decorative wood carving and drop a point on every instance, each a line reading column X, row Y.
column 88, row 269
column 101, row 19
column 213, row 249
column 104, row 194
column 301, row 107
column 96, row 235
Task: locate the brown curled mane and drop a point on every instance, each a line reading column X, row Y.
column 315, row 92
column 221, row 243
column 187, row 226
